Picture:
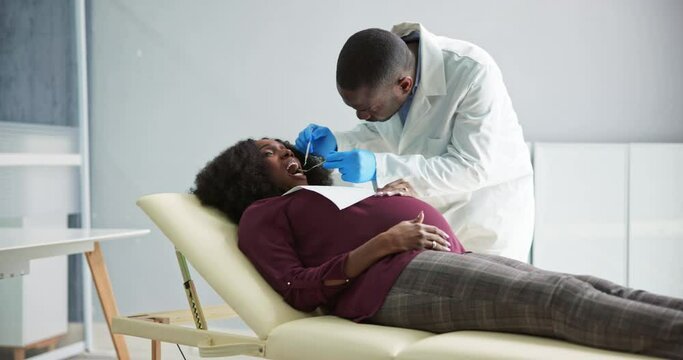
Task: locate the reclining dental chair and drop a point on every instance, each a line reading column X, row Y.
column 208, row 241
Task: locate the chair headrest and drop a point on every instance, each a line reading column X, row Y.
column 209, row 242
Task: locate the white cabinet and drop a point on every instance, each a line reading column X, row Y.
column 656, row 218
column 581, row 209
column 611, row 210
column 34, row 307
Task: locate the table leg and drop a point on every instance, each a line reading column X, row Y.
column 103, row 286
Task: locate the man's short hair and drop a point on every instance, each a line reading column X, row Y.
column 371, row 57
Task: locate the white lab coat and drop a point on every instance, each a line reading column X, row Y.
column 462, row 148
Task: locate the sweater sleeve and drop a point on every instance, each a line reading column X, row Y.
column 265, row 237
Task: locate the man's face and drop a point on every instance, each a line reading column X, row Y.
column 377, row 104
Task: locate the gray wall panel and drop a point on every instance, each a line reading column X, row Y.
column 37, row 62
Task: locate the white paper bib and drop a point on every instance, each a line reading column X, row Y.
column 341, row 196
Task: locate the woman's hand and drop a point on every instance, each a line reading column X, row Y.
column 413, row 234
column 406, row 235
column 399, row 187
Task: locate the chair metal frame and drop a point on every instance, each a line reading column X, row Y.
column 166, row 326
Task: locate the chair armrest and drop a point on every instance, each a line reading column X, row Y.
column 161, row 326
column 185, row 316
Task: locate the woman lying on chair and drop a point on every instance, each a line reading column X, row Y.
column 394, row 260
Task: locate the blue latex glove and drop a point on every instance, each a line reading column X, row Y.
column 323, row 141
column 356, row 166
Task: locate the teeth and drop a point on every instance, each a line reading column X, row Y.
column 296, row 168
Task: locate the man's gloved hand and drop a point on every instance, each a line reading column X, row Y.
column 356, row 166
column 322, row 140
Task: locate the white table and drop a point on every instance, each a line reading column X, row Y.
column 19, row 246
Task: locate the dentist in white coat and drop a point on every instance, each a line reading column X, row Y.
column 438, row 125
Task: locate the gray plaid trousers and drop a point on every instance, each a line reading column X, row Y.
column 443, row 292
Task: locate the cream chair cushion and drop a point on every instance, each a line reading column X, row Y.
column 482, row 345
column 209, row 242
column 334, row 338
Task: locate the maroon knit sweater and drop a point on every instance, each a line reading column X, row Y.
column 299, row 240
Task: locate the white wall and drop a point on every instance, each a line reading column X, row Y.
column 175, row 82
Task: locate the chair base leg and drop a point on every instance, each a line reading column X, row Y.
column 156, row 350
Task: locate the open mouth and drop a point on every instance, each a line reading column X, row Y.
column 293, row 169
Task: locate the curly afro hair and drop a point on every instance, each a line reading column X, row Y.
column 237, row 177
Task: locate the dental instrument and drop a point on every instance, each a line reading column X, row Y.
column 308, row 150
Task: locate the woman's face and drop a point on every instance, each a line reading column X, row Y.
column 282, row 166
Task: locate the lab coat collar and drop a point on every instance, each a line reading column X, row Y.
column 432, row 74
